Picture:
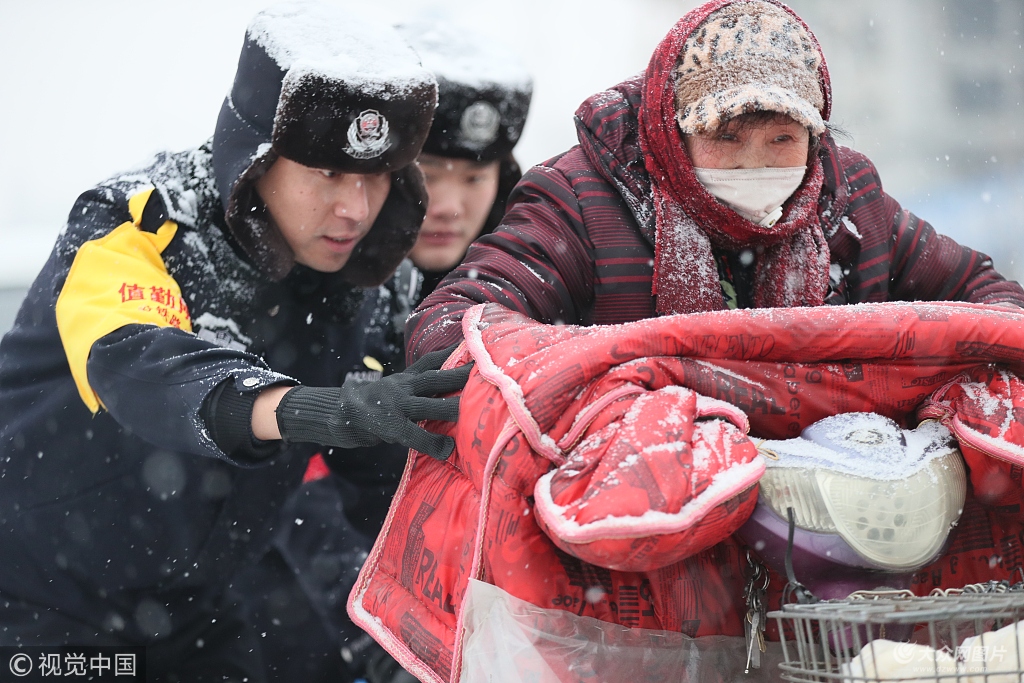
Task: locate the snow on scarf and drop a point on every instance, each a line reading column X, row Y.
column 793, row 261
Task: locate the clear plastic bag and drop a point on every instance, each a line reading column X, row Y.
column 508, row 640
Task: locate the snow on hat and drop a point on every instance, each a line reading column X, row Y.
column 332, row 90
column 327, row 89
column 484, row 91
column 747, row 57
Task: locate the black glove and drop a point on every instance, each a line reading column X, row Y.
column 386, row 410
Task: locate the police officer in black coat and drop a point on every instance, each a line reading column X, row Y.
column 186, row 346
column 329, row 524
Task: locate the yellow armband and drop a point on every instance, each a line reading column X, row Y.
column 117, row 280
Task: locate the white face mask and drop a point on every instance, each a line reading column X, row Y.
column 757, row 194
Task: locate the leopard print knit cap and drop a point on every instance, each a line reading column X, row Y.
column 747, row 57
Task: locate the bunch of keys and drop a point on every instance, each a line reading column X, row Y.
column 754, row 624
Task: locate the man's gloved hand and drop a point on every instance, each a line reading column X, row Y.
column 386, row 410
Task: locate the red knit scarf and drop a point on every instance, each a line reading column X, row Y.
column 792, row 256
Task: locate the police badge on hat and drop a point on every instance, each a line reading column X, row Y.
column 479, row 124
column 368, row 135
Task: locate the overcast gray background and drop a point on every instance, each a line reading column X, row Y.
column 931, row 91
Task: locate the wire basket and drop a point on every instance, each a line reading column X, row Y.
column 934, row 639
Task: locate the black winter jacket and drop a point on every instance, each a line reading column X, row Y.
column 99, row 511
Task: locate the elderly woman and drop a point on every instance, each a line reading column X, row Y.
column 709, row 182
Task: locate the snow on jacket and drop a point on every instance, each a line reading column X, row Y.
column 577, row 243
column 100, row 510
column 602, row 470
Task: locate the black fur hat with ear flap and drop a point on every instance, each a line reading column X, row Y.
column 484, row 91
column 327, row 89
